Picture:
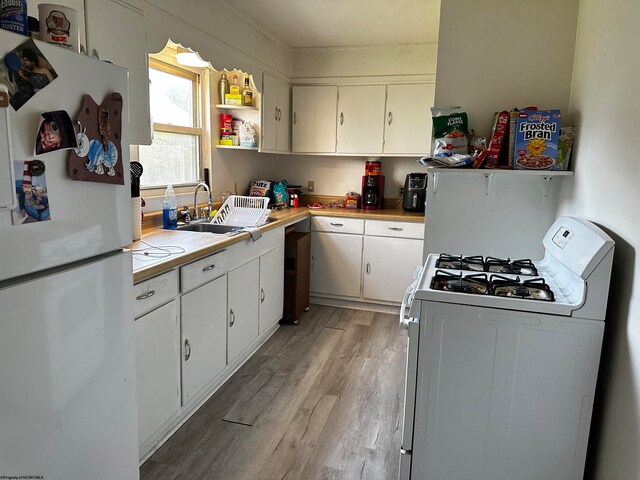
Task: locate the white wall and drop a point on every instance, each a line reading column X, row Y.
column 339, row 175
column 500, row 54
column 419, row 59
column 604, row 103
column 221, row 34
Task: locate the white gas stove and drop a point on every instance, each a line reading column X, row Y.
column 503, row 359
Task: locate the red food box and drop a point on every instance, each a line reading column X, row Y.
column 497, row 142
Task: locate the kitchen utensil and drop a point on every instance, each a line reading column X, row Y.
column 136, row 173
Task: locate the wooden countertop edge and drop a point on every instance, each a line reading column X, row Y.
column 281, row 219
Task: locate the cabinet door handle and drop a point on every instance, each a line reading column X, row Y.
column 279, row 114
column 262, row 295
column 144, row 296
column 209, row 268
column 389, row 118
column 368, row 268
column 232, row 318
column 337, row 224
column 187, row 349
column 276, row 114
column 341, row 118
column 396, row 229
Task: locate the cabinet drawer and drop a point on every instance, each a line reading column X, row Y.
column 154, row 292
column 382, row 228
column 201, row 271
column 246, row 250
column 337, row 225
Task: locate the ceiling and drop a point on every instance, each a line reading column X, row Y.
column 332, row 23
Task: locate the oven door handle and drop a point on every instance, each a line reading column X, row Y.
column 407, row 300
column 410, row 386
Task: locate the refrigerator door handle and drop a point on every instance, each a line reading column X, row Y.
column 7, row 177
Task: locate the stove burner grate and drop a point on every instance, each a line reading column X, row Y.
column 475, row 283
column 478, row 263
column 475, row 263
column 532, row 289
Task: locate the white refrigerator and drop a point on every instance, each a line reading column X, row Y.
column 67, row 360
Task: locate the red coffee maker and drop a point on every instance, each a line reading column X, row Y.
column 372, row 191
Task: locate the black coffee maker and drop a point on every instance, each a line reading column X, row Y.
column 414, row 194
column 372, row 192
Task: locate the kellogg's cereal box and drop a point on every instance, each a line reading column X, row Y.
column 536, row 140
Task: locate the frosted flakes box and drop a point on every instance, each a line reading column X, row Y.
column 536, row 140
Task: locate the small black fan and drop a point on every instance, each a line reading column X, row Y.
column 136, row 173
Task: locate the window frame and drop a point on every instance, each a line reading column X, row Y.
column 165, row 61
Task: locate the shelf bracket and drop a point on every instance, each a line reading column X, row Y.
column 488, row 179
column 547, row 184
column 436, row 176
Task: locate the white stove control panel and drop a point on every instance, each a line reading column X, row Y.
column 578, row 244
column 563, row 237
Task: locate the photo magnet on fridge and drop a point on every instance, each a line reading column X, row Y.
column 56, row 133
column 25, row 70
column 31, row 191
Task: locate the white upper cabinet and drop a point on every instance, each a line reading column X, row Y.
column 314, row 118
column 275, row 115
column 116, row 30
column 284, row 117
column 360, row 119
column 391, row 120
column 408, row 119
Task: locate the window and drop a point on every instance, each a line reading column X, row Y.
column 177, row 149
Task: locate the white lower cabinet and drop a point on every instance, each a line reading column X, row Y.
column 242, row 317
column 271, row 288
column 336, row 264
column 389, row 264
column 372, row 261
column 203, row 320
column 157, row 368
column 196, row 324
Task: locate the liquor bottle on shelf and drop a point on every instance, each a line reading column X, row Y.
column 247, row 93
column 234, row 97
column 234, row 88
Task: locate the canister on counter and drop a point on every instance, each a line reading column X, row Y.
column 373, row 167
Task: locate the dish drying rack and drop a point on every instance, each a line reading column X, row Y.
column 239, row 211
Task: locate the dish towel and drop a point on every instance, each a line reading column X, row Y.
column 254, row 232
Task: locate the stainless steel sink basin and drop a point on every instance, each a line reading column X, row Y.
column 209, row 228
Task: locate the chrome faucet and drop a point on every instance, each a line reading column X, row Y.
column 195, row 201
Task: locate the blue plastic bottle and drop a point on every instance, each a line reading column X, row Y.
column 170, row 209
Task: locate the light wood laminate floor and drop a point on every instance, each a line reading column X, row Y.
column 320, row 400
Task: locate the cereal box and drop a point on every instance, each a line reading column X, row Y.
column 536, row 140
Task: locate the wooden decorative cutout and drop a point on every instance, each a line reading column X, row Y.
column 98, row 157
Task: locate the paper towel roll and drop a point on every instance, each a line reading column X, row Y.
column 136, row 218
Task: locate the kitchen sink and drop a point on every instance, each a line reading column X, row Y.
column 214, row 228
column 209, row 228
